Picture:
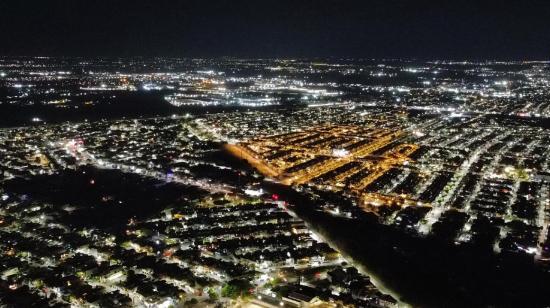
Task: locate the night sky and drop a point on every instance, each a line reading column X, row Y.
column 466, row 29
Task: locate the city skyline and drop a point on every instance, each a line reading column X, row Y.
column 272, row 154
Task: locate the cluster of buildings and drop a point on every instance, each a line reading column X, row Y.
column 173, row 210
column 201, row 251
column 150, row 212
column 463, row 178
column 511, row 88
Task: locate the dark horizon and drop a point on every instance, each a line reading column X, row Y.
column 283, row 58
column 461, row 30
